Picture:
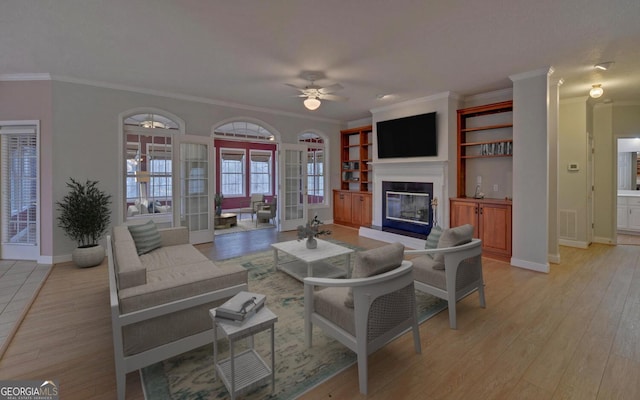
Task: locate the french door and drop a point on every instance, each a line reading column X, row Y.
column 20, row 238
column 193, row 182
column 293, row 186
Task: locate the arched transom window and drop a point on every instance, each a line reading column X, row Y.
column 243, row 130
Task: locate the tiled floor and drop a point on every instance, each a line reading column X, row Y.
column 19, row 283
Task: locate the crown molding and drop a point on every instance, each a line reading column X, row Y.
column 546, row 71
column 507, row 92
column 185, row 97
column 437, row 96
column 25, row 77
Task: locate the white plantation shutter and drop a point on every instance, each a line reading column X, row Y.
column 19, row 185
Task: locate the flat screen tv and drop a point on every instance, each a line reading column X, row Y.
column 414, row 136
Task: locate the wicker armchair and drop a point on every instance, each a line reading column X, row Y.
column 451, row 271
column 384, row 306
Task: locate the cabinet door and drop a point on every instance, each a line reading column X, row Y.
column 361, row 209
column 633, row 218
column 464, row 212
column 495, row 228
column 341, row 207
column 623, row 221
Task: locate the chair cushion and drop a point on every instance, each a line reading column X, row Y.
column 329, row 303
column 146, row 237
column 425, row 270
column 375, row 261
column 451, row 238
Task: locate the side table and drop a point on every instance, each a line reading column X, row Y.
column 247, row 370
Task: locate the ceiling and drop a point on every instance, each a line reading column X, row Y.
column 244, row 52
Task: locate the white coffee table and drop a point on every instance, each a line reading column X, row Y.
column 312, row 262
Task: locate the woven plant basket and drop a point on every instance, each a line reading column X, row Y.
column 88, row 256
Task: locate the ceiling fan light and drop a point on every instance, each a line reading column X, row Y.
column 312, row 103
column 596, row 91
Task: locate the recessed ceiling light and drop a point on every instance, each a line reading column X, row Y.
column 603, row 66
column 383, row 96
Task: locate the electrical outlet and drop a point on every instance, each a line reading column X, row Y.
column 495, row 187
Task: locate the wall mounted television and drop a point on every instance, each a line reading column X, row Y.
column 414, row 136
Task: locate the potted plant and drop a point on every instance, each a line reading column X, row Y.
column 310, row 231
column 217, row 200
column 84, row 217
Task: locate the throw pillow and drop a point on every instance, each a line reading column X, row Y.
column 451, row 238
column 146, row 237
column 433, row 239
column 374, row 262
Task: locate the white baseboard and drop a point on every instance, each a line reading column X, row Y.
column 530, row 265
column 554, row 258
column 61, row 259
column 410, row 242
column 573, row 243
column 603, row 240
column 47, row 260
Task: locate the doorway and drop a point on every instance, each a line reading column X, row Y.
column 628, row 191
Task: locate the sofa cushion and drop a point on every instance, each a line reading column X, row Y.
column 451, row 238
column 130, row 271
column 374, row 262
column 146, row 237
column 180, row 281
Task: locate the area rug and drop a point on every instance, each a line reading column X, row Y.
column 243, row 226
column 298, row 369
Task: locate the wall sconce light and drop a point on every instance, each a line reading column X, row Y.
column 312, row 103
column 596, row 91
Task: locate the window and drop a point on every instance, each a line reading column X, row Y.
column 19, row 186
column 148, row 150
column 260, row 178
column 315, row 168
column 232, row 172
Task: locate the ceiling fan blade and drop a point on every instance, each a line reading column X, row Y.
column 331, row 88
column 333, row 97
column 296, row 87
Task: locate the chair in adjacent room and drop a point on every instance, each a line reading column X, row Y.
column 255, row 202
column 268, row 212
column 369, row 310
column 452, row 270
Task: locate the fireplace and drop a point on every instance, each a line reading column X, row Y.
column 406, row 208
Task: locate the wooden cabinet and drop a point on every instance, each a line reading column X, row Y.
column 352, row 208
column 491, row 219
column 355, row 157
column 482, row 135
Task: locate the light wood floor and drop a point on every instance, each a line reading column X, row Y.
column 571, row 334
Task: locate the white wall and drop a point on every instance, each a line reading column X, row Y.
column 530, row 170
column 573, row 186
column 85, row 136
column 435, row 169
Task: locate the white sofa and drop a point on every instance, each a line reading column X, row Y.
column 160, row 300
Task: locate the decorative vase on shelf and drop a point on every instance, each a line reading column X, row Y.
column 312, row 243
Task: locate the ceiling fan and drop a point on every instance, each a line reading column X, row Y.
column 314, row 93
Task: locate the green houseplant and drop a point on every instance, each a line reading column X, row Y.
column 84, row 217
column 217, row 200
